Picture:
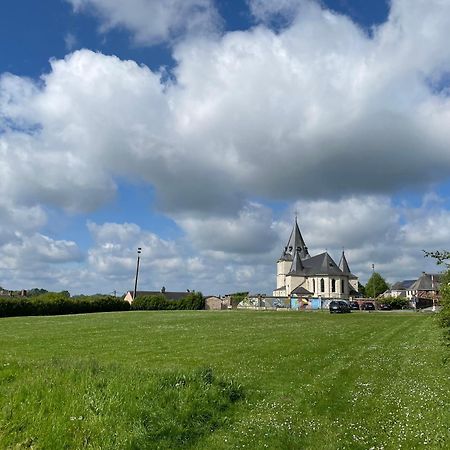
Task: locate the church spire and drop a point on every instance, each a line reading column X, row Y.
column 296, row 242
column 343, row 264
column 297, row 266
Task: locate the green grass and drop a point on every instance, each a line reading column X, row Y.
column 211, row 380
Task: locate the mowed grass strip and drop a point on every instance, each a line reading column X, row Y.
column 288, row 379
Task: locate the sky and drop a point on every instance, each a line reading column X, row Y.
column 198, row 129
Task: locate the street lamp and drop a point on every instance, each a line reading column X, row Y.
column 137, row 271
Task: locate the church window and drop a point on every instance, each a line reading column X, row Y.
column 314, row 285
column 342, row 287
column 322, row 285
column 333, row 285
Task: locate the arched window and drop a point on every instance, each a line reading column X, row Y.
column 322, row 285
column 342, row 287
column 333, row 285
column 314, row 285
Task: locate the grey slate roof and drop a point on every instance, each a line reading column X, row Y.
column 300, row 290
column 295, row 242
column 343, row 265
column 297, row 265
column 321, row 264
column 427, row 282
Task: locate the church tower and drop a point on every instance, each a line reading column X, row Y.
column 295, row 249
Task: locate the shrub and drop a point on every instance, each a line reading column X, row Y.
column 395, row 302
column 52, row 303
column 192, row 301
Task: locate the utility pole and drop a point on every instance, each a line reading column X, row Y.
column 373, row 280
column 137, row 272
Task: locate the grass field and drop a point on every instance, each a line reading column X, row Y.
column 231, row 379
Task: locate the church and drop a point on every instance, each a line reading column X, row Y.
column 302, row 275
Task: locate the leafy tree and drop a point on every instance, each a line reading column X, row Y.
column 237, row 298
column 441, row 257
column 376, row 285
column 36, row 291
column 361, row 289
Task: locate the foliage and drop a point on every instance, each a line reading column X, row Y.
column 237, row 298
column 376, row 285
column 441, row 256
column 192, row 301
column 395, row 302
column 84, row 404
column 36, row 291
column 113, row 371
column 52, row 303
column 361, row 289
column 444, row 315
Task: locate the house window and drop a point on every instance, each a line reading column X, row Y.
column 314, row 285
column 333, row 285
column 322, row 285
column 342, row 287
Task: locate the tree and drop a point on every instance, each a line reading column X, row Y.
column 376, row 285
column 361, row 289
column 440, row 256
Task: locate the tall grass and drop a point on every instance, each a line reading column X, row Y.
column 62, row 405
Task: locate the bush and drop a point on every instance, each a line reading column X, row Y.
column 192, row 301
column 395, row 302
column 444, row 314
column 52, row 303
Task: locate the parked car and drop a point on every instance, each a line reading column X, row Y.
column 354, row 305
column 339, row 306
column 368, row 306
column 384, row 307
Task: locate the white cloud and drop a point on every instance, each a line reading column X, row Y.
column 71, row 41
column 249, row 232
column 153, row 21
column 318, row 111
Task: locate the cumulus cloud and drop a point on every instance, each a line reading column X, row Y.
column 250, row 232
column 318, row 110
column 374, row 230
column 153, row 21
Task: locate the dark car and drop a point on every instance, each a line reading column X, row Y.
column 368, row 306
column 339, row 306
column 354, row 305
column 384, row 307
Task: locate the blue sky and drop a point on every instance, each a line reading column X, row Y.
column 196, row 129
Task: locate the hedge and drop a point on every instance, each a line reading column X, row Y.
column 193, row 300
column 54, row 304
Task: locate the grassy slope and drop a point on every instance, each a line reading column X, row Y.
column 312, row 380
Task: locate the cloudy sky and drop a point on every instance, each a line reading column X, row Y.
column 195, row 129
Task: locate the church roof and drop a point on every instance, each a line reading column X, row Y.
column 300, row 290
column 321, row 264
column 296, row 242
column 343, row 265
column 297, row 267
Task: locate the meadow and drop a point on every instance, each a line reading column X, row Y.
column 225, row 379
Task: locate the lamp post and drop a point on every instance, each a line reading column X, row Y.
column 137, row 271
column 373, row 280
